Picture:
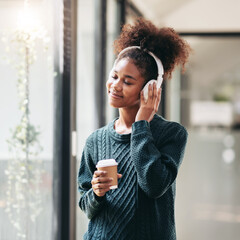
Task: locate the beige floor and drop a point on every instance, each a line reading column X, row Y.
column 208, row 187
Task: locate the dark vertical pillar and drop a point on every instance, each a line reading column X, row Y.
column 162, row 105
column 57, row 118
column 100, row 62
column 185, row 101
column 73, row 176
column 120, row 15
column 64, row 123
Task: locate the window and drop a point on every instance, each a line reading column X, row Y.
column 26, row 141
column 208, row 192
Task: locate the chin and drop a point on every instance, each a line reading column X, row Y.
column 114, row 105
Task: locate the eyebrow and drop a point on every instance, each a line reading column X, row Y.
column 127, row 76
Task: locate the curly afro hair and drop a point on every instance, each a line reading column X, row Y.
column 164, row 42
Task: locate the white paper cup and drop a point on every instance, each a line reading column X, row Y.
column 110, row 166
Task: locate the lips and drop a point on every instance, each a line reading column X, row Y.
column 114, row 95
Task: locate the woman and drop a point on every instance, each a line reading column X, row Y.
column 148, row 148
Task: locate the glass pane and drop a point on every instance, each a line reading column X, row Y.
column 85, row 90
column 26, row 120
column 208, row 192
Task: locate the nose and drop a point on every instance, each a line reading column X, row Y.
column 117, row 85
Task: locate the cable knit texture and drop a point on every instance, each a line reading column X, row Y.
column 142, row 207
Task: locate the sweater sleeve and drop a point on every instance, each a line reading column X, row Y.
column 157, row 160
column 90, row 203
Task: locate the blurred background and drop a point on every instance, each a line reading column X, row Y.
column 55, row 57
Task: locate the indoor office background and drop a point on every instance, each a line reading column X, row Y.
column 54, row 61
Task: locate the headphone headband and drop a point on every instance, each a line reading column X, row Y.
column 157, row 60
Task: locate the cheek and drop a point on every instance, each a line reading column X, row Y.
column 133, row 95
column 137, row 92
column 108, row 83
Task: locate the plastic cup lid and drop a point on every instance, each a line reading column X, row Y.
column 106, row 163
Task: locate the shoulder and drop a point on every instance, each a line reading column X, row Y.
column 165, row 128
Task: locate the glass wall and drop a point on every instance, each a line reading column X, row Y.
column 26, row 121
column 85, row 89
column 208, row 193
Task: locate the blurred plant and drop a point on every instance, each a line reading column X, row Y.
column 219, row 97
column 24, row 172
column 223, row 93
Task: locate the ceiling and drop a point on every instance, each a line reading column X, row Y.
column 192, row 15
column 215, row 60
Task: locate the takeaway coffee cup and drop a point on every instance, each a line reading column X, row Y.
column 110, row 166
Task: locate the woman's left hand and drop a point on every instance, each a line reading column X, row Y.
column 149, row 107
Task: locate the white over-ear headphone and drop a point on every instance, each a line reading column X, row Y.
column 159, row 66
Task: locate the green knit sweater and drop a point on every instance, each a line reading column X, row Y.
column 142, row 207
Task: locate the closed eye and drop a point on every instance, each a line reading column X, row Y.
column 128, row 83
column 125, row 81
column 126, row 76
column 114, row 77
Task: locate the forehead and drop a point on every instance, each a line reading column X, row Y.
column 127, row 67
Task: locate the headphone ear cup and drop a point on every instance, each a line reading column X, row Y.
column 159, row 82
column 145, row 89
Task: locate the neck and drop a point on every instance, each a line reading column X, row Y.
column 126, row 119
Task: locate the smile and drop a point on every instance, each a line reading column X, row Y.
column 114, row 95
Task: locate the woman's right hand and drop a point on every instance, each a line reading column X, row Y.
column 150, row 106
column 100, row 183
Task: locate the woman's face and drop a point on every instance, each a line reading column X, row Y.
column 124, row 85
